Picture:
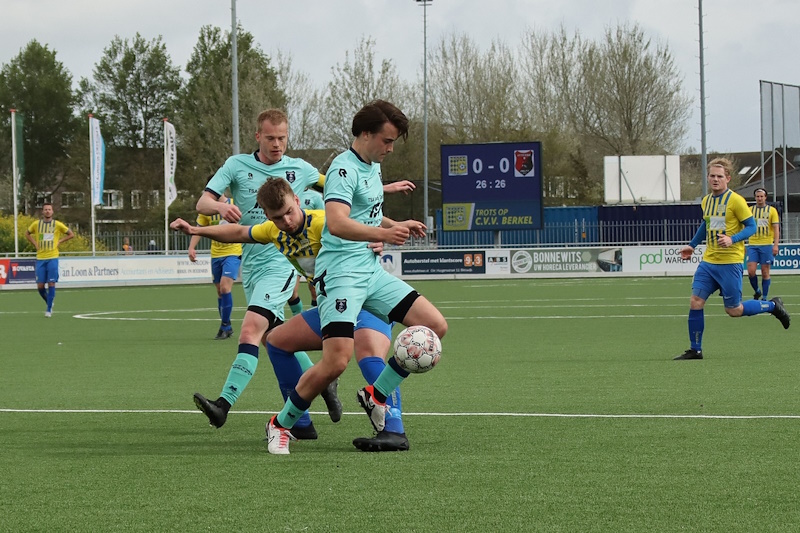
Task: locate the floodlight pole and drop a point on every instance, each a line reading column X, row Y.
column 704, row 153
column 234, row 79
column 425, row 4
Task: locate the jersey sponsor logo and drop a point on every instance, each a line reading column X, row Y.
column 341, row 304
column 290, row 176
column 342, row 173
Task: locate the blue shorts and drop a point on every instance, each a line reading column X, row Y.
column 760, row 253
column 342, row 295
column 365, row 320
column 47, row 270
column 726, row 278
column 227, row 266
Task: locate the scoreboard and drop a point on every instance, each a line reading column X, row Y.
column 492, row 186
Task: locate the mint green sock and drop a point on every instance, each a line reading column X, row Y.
column 290, row 414
column 296, row 306
column 388, row 381
column 242, row 370
column 304, row 360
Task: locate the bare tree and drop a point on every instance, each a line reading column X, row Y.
column 355, row 83
column 303, row 105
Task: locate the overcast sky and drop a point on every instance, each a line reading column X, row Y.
column 746, row 41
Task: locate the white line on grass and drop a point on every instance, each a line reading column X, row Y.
column 519, row 415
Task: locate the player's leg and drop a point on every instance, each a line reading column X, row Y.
column 372, row 342
column 310, row 338
column 729, row 277
column 295, row 303
column 41, row 278
column 752, row 263
column 230, row 269
column 703, row 286
column 341, row 300
column 52, row 279
column 766, row 278
column 216, row 277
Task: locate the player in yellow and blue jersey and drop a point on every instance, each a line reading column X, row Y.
column 727, row 222
column 349, row 276
column 226, row 258
column 47, row 235
column 763, row 246
column 296, row 233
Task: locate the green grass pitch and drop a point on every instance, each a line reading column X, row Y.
column 556, row 407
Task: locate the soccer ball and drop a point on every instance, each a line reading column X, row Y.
column 417, row 349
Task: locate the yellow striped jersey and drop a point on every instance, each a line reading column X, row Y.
column 301, row 248
column 47, row 235
column 765, row 231
column 219, row 249
column 724, row 214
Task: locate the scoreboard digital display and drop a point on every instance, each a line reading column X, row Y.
column 492, row 186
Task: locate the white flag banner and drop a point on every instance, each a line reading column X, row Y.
column 98, row 161
column 170, row 159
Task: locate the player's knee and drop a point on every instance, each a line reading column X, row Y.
column 439, row 326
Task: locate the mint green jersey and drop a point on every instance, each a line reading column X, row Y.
column 243, row 174
column 352, row 181
column 311, row 200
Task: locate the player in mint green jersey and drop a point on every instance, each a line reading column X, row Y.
column 268, row 278
column 349, row 276
column 311, row 199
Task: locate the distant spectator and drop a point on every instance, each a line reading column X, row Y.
column 126, row 246
column 152, row 247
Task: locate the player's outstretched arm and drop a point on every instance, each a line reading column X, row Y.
column 404, row 186
column 223, row 233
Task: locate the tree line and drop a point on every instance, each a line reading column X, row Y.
column 621, row 94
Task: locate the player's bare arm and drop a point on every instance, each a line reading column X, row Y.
column 403, row 186
column 69, row 235
column 223, row 233
column 30, row 238
column 208, row 204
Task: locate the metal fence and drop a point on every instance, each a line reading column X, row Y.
column 577, row 233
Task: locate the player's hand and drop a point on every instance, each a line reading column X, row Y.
column 724, row 241
column 397, row 234
column 775, row 250
column 415, row 227
column 229, row 212
column 403, row 186
column 181, row 225
column 376, row 247
column 686, row 253
column 192, row 255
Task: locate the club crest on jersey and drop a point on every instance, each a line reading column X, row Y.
column 249, row 175
column 341, row 304
column 266, row 297
column 290, row 176
column 523, row 162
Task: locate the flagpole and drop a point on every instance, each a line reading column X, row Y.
column 15, row 171
column 166, row 189
column 91, row 184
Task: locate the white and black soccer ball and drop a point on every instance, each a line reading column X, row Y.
column 417, row 349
